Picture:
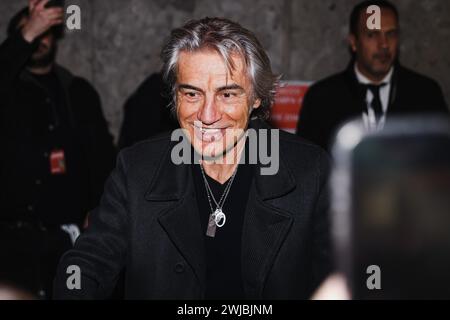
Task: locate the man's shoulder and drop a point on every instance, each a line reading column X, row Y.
column 306, row 161
column 297, row 150
column 413, row 78
column 147, row 150
column 83, row 84
column 290, row 144
column 74, row 81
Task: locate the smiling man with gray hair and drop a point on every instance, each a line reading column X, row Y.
column 216, row 226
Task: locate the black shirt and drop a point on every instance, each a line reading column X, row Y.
column 57, row 113
column 223, row 252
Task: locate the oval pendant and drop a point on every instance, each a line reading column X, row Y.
column 219, row 218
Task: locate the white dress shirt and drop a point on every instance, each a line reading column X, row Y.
column 369, row 118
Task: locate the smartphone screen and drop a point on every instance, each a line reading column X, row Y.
column 400, row 216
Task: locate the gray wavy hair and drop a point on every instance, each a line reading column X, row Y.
column 226, row 38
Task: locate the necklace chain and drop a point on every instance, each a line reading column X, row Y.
column 219, row 205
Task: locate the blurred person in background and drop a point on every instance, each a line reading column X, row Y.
column 56, row 150
column 374, row 86
column 147, row 112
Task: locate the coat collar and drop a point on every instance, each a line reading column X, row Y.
column 265, row 224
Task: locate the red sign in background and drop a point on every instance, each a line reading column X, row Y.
column 288, row 103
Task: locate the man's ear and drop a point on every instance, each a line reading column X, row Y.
column 352, row 42
column 256, row 104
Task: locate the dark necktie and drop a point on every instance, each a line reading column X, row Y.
column 376, row 101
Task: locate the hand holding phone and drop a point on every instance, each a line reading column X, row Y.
column 41, row 19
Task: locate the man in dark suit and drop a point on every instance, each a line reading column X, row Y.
column 220, row 226
column 374, row 86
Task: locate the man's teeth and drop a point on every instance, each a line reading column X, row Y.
column 210, row 131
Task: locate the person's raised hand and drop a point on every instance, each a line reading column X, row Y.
column 41, row 19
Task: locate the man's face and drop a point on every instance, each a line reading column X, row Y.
column 376, row 50
column 213, row 105
column 46, row 50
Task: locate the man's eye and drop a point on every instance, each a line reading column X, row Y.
column 191, row 95
column 228, row 95
column 392, row 34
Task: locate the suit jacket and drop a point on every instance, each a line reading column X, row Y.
column 148, row 223
column 332, row 101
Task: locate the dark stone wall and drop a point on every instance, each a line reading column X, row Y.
column 120, row 40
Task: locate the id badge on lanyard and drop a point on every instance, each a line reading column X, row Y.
column 57, row 162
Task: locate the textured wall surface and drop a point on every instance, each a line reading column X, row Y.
column 120, row 40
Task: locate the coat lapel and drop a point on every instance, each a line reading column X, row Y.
column 173, row 189
column 393, row 94
column 265, row 227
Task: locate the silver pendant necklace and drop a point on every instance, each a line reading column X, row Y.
column 217, row 217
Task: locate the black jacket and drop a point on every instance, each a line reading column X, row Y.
column 332, row 101
column 31, row 128
column 148, row 222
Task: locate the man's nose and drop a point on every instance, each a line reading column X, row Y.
column 383, row 42
column 209, row 112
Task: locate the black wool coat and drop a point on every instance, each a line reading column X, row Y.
column 148, row 223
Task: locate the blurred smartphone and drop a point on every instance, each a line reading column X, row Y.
column 391, row 208
column 55, row 3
